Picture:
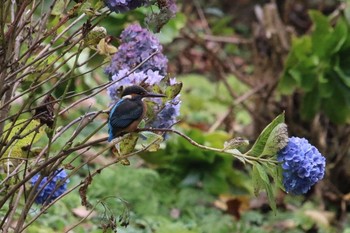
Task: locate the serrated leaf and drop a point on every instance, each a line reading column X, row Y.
column 151, row 141
column 276, row 141
column 265, row 181
column 276, row 173
column 28, row 132
column 234, row 153
column 271, row 197
column 262, row 173
column 259, row 145
column 127, row 145
column 106, row 49
column 94, row 37
column 173, row 90
column 59, row 7
column 258, row 183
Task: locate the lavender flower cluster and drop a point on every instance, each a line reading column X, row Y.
column 137, row 45
column 171, row 5
column 120, row 6
column 302, row 164
column 48, row 190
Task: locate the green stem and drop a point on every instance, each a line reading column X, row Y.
column 243, row 157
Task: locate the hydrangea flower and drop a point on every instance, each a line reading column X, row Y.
column 137, row 45
column 167, row 117
column 149, row 77
column 169, row 5
column 120, row 6
column 302, row 164
column 172, row 6
column 50, row 192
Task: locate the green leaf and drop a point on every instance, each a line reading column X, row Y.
column 338, row 36
column 27, row 132
column 260, row 144
column 235, row 152
column 276, row 173
column 271, row 197
column 337, row 108
column 309, row 80
column 287, row 83
column 301, row 48
column 267, row 185
column 150, row 140
column 262, row 173
column 276, row 141
column 59, row 7
column 94, row 37
column 172, row 91
column 325, row 85
column 310, row 104
column 258, row 183
column 321, row 32
column 127, row 145
column 342, row 75
column 320, row 21
column 327, row 40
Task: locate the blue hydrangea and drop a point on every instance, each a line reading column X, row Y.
column 50, row 192
column 302, row 164
column 120, row 6
column 137, row 45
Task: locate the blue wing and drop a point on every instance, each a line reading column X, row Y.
column 122, row 115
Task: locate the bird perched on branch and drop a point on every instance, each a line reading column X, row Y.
column 127, row 113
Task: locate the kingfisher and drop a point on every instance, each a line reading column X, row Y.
column 128, row 112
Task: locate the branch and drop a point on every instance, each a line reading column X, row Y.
column 243, row 157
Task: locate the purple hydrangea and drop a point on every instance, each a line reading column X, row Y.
column 167, row 117
column 170, row 5
column 120, row 6
column 302, row 164
column 149, row 77
column 137, row 45
column 49, row 191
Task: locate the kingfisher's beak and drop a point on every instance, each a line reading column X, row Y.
column 151, row 94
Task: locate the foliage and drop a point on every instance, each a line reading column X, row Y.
column 318, row 65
